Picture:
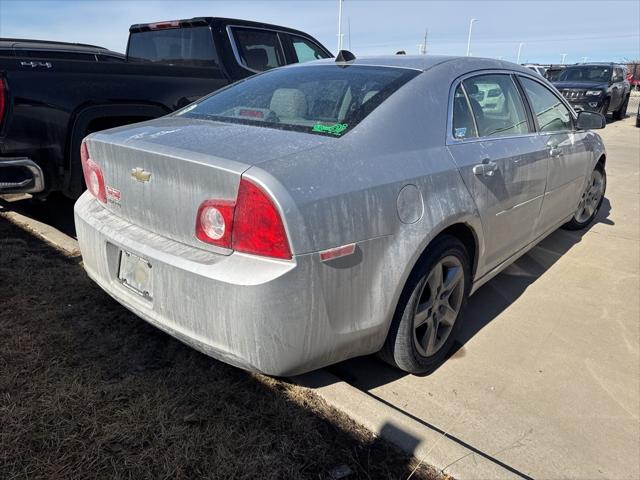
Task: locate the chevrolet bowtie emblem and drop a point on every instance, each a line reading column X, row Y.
column 140, row 174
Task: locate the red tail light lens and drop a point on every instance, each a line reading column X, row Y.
column 214, row 222
column 258, row 228
column 251, row 225
column 93, row 176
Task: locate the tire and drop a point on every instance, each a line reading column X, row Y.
column 402, row 348
column 582, row 217
column 622, row 111
column 604, row 109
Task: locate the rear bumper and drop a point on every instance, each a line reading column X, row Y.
column 271, row 316
column 20, row 175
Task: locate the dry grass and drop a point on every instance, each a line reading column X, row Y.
column 88, row 390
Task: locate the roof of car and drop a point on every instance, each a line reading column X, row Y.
column 425, row 62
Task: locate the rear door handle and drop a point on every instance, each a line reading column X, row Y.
column 555, row 151
column 486, row 168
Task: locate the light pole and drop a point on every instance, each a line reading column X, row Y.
column 473, row 20
column 564, row 55
column 519, row 51
column 339, row 25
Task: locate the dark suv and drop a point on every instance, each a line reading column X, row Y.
column 599, row 87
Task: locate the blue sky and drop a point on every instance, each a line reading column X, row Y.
column 599, row 30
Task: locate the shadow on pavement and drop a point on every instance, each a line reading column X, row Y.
column 56, row 210
column 486, row 304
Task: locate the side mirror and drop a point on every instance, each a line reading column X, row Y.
column 590, row 120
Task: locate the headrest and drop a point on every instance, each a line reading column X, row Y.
column 289, row 103
column 257, row 58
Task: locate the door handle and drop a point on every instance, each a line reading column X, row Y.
column 486, row 168
column 555, row 151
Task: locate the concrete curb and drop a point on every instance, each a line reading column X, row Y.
column 427, row 444
column 57, row 239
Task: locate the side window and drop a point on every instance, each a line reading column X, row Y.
column 306, row 50
column 258, row 49
column 463, row 125
column 497, row 105
column 550, row 112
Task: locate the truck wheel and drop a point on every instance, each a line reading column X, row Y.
column 622, row 111
column 605, row 107
column 427, row 318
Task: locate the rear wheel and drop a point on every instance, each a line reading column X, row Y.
column 427, row 321
column 590, row 201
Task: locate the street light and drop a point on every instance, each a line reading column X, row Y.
column 339, row 25
column 473, row 20
column 564, row 55
column 519, row 50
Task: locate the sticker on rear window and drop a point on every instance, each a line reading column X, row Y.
column 335, row 129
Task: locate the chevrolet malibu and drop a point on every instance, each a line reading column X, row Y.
column 323, row 211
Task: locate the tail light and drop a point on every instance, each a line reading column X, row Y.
column 3, row 99
column 93, row 176
column 251, row 225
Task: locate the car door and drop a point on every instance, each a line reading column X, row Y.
column 566, row 150
column 493, row 143
column 617, row 89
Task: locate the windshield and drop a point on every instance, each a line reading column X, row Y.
column 320, row 99
column 586, row 74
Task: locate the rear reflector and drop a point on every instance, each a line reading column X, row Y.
column 93, row 177
column 337, row 252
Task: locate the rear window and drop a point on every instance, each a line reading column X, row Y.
column 192, row 46
column 322, row 99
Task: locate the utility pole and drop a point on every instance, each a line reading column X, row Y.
column 349, row 31
column 339, row 25
column 564, row 55
column 473, row 20
column 519, row 51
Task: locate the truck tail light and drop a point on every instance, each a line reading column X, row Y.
column 251, row 225
column 93, row 176
column 3, row 99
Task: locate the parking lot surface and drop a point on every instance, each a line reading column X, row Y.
column 546, row 382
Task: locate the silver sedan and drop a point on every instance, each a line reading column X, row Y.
column 332, row 209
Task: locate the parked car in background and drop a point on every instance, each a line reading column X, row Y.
column 306, row 215
column 552, row 72
column 167, row 66
column 597, row 87
column 539, row 69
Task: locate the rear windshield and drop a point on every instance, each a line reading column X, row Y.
column 320, row 99
column 191, row 46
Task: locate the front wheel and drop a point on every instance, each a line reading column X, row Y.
column 622, row 111
column 590, row 201
column 427, row 320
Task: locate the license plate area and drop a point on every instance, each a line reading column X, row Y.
column 135, row 273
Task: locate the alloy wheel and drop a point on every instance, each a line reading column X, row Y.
column 591, row 197
column 438, row 305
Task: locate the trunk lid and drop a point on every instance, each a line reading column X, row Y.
column 157, row 173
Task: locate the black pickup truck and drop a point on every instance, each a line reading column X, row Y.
column 54, row 94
